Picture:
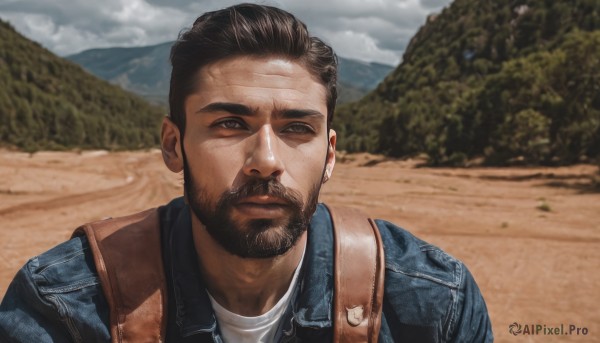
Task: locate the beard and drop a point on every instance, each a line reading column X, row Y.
column 255, row 238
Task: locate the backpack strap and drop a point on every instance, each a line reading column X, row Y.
column 358, row 276
column 128, row 258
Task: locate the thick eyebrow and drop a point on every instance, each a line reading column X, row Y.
column 243, row 110
column 300, row 113
column 229, row 107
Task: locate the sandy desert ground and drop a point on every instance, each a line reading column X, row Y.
column 531, row 236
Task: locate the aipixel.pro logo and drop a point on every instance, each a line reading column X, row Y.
column 516, row 329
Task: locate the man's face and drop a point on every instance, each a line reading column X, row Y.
column 255, row 150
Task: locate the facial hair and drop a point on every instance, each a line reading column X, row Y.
column 255, row 238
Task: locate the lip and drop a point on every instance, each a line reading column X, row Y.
column 263, row 206
column 263, row 200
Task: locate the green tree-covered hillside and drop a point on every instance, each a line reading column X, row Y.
column 47, row 102
column 508, row 80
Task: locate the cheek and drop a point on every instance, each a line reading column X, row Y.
column 213, row 168
column 305, row 165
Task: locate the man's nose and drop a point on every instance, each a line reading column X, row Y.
column 263, row 158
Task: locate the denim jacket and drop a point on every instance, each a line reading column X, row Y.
column 429, row 296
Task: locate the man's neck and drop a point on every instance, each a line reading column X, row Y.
column 245, row 286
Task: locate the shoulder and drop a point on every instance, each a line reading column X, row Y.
column 413, row 257
column 56, row 294
column 66, row 267
column 429, row 291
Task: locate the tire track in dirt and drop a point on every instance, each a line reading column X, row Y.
column 73, row 199
column 145, row 185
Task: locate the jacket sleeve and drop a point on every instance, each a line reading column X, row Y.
column 56, row 297
column 27, row 317
column 472, row 322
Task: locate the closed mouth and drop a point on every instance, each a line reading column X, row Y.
column 263, row 200
column 263, row 206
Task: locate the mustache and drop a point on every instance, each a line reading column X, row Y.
column 264, row 187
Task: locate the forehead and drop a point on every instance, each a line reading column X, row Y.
column 251, row 78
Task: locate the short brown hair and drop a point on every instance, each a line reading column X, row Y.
column 246, row 29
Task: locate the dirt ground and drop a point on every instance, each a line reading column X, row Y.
column 530, row 236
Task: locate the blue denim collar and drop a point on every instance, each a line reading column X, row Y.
column 194, row 311
column 310, row 308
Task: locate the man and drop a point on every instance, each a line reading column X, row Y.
column 248, row 253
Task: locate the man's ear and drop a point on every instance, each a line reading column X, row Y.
column 330, row 163
column 171, row 146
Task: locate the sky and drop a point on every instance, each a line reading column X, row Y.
column 366, row 30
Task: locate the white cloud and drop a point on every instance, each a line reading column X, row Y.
column 67, row 27
column 361, row 46
column 59, row 39
column 369, row 30
column 374, row 30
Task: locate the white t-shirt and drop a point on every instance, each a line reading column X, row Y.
column 239, row 329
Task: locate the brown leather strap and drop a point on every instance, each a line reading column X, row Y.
column 128, row 258
column 359, row 276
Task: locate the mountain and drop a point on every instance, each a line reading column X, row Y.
column 47, row 102
column 511, row 81
column 362, row 75
column 146, row 71
column 142, row 70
